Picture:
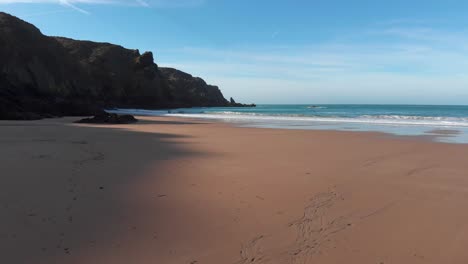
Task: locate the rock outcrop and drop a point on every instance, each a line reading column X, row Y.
column 43, row 76
column 189, row 90
column 233, row 103
column 37, row 75
column 108, row 118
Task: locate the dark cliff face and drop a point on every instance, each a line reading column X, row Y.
column 41, row 76
column 34, row 70
column 190, row 90
column 122, row 77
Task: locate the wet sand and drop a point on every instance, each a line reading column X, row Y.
column 170, row 190
column 443, row 132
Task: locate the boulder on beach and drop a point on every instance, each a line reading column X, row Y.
column 109, row 118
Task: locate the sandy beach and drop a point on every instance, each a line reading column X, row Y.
column 179, row 191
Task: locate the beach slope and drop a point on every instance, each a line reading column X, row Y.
column 170, row 191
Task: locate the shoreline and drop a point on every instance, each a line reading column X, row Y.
column 430, row 136
column 409, row 120
column 172, row 190
column 436, row 131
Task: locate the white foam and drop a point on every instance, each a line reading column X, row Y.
column 231, row 116
column 377, row 120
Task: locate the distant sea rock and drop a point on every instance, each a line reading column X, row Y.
column 233, row 103
column 43, row 76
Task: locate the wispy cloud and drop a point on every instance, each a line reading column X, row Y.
column 411, row 64
column 69, row 4
column 143, row 3
column 409, row 21
column 274, row 34
column 44, row 13
column 75, row 4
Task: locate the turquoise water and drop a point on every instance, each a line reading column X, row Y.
column 439, row 122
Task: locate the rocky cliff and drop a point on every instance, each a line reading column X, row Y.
column 44, row 76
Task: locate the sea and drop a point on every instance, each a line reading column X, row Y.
column 443, row 123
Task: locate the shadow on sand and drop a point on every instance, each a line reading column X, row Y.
column 63, row 188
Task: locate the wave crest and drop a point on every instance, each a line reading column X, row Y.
column 364, row 119
column 396, row 120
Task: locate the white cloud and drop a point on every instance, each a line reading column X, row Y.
column 408, row 65
column 69, row 4
column 74, row 4
column 157, row 3
column 143, row 3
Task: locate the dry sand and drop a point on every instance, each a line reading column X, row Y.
column 180, row 191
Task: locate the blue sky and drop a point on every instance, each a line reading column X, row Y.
column 332, row 51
